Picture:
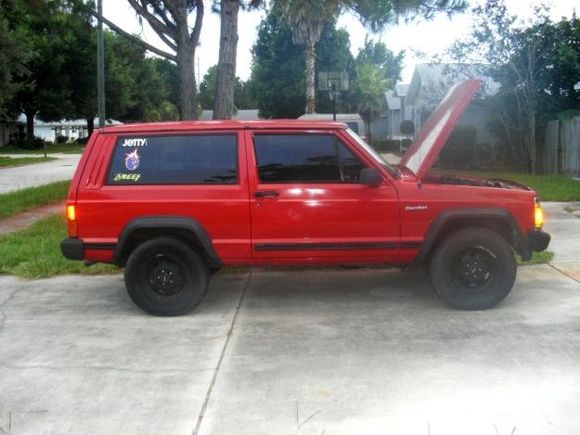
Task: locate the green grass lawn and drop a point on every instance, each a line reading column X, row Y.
column 52, row 148
column 32, row 197
column 549, row 187
column 537, row 258
column 6, row 162
column 34, row 252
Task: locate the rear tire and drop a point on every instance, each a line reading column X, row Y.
column 166, row 277
column 473, row 269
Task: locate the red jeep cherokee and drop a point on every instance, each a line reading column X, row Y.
column 172, row 202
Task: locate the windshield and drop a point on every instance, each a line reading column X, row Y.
column 392, row 170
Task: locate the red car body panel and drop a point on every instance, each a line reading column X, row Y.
column 301, row 223
column 322, row 214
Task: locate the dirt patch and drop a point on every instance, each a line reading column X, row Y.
column 27, row 218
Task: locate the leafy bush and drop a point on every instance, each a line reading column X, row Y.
column 19, row 140
column 407, row 127
column 62, row 139
column 82, row 140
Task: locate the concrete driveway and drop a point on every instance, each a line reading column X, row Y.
column 21, row 177
column 332, row 351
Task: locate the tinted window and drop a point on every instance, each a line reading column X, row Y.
column 191, row 159
column 350, row 165
column 304, row 158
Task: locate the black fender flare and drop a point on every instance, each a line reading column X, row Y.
column 168, row 222
column 521, row 242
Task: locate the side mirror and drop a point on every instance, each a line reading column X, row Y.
column 370, row 177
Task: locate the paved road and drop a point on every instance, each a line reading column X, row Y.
column 311, row 352
column 306, row 352
column 20, row 177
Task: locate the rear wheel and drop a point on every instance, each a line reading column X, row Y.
column 166, row 277
column 473, row 269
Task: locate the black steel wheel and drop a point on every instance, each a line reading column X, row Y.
column 473, row 269
column 166, row 277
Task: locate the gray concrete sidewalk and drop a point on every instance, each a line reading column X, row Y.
column 565, row 231
column 313, row 352
column 20, row 177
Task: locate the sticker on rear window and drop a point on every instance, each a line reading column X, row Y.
column 132, row 160
column 134, row 142
column 126, row 177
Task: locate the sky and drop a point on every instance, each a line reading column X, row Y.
column 429, row 37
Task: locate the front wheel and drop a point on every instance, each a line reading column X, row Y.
column 473, row 269
column 166, row 277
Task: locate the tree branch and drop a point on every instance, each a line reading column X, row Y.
column 198, row 21
column 133, row 38
column 162, row 14
column 162, row 29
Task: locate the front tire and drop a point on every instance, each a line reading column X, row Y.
column 473, row 269
column 166, row 277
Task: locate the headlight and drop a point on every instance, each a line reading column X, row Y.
column 538, row 216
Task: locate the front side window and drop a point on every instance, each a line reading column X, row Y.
column 186, row 159
column 302, row 158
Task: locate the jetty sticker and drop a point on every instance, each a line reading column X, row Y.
column 134, row 143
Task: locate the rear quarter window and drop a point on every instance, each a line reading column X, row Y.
column 179, row 159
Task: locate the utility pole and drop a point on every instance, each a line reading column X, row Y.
column 334, row 94
column 100, row 66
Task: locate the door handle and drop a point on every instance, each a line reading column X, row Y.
column 266, row 194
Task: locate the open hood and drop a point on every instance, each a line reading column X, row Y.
column 428, row 144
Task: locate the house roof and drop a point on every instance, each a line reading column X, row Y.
column 401, row 89
column 393, row 101
column 329, row 116
column 240, row 115
column 435, row 79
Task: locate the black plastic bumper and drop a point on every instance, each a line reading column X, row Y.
column 73, row 249
column 538, row 240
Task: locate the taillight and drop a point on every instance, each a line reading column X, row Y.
column 71, row 219
column 71, row 213
column 538, row 216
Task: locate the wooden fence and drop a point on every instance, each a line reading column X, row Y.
column 562, row 148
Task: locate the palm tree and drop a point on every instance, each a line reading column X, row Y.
column 369, row 90
column 307, row 19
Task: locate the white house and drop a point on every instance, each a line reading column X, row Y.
column 48, row 131
column 429, row 84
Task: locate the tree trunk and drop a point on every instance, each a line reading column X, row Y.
column 310, row 72
column 187, row 91
column 226, row 69
column 30, row 125
column 532, row 142
column 90, row 125
column 369, row 135
column 185, row 56
column 169, row 20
